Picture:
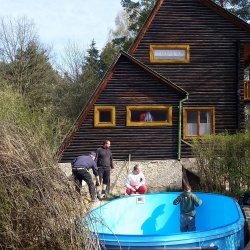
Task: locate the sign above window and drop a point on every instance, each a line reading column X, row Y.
column 169, row 53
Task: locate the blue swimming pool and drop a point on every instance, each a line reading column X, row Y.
column 151, row 221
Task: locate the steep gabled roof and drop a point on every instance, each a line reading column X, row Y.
column 109, row 74
column 154, row 73
column 226, row 14
column 145, row 26
column 104, row 82
column 208, row 3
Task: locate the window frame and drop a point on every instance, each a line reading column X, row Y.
column 206, row 109
column 129, row 123
column 169, row 47
column 97, row 122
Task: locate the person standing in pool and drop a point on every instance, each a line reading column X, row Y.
column 187, row 202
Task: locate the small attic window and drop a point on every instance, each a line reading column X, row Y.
column 169, row 53
column 149, row 116
column 104, row 116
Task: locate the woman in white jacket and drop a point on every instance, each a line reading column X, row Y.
column 135, row 181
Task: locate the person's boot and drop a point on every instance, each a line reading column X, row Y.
column 104, row 194
column 98, row 195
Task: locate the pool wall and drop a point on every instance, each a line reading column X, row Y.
column 152, row 221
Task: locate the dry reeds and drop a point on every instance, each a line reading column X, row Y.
column 39, row 208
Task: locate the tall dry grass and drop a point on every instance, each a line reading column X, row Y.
column 39, row 208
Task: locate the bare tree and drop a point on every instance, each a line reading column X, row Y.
column 24, row 61
column 122, row 36
column 122, row 24
column 15, row 36
column 72, row 61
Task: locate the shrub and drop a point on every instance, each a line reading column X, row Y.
column 223, row 162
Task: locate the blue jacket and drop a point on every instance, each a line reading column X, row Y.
column 85, row 161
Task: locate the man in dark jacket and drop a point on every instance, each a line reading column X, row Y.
column 80, row 170
column 187, row 202
column 104, row 160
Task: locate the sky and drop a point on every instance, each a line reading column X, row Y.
column 60, row 21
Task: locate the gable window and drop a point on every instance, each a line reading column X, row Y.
column 149, row 116
column 169, row 53
column 104, row 116
column 198, row 122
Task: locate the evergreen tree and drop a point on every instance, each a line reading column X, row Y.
column 240, row 8
column 107, row 57
column 81, row 76
column 91, row 70
column 136, row 14
column 25, row 62
column 138, row 11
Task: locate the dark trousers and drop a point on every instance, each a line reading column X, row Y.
column 187, row 223
column 84, row 175
column 104, row 177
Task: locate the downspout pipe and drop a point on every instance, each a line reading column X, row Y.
column 179, row 127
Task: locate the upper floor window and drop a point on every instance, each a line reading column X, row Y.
column 169, row 53
column 198, row 122
column 104, row 116
column 149, row 116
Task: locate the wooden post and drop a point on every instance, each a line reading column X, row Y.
column 128, row 168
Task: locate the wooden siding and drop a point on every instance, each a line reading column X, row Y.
column 215, row 71
column 129, row 85
column 214, row 77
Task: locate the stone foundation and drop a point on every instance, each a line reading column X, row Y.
column 160, row 175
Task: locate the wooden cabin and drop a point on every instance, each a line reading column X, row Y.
column 185, row 76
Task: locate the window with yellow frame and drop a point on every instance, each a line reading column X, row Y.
column 104, row 116
column 198, row 122
column 169, row 53
column 149, row 116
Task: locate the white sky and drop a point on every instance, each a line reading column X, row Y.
column 61, row 21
